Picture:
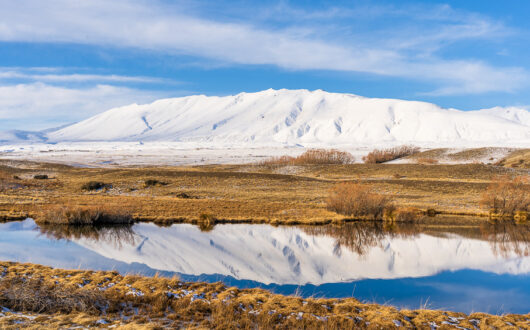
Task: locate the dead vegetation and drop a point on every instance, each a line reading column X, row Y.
column 358, row 200
column 85, row 215
column 508, row 197
column 516, row 159
column 57, row 298
column 313, row 157
column 378, row 156
column 235, row 193
column 41, row 296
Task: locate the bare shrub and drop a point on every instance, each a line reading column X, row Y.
column 86, row 215
column 507, row 196
column 358, row 200
column 313, row 157
column 378, row 156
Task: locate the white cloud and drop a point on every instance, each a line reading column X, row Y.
column 45, row 106
column 160, row 27
column 74, row 77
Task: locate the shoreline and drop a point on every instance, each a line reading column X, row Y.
column 154, row 301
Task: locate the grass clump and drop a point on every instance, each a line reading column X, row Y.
column 95, row 185
column 378, row 156
column 314, row 157
column 153, row 183
column 86, row 215
column 357, row 200
column 39, row 296
column 40, row 177
column 508, row 197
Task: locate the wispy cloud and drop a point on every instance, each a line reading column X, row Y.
column 45, row 106
column 410, row 51
column 30, row 74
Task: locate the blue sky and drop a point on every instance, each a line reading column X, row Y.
column 64, row 60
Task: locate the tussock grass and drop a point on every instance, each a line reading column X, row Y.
column 82, row 298
column 85, row 215
column 357, row 200
column 313, row 157
column 378, row 156
column 40, row 296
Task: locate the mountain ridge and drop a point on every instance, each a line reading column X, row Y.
column 298, row 117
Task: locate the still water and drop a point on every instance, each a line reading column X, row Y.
column 484, row 268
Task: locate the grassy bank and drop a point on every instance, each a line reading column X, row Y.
column 40, row 296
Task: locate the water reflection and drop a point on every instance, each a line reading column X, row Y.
column 482, row 267
column 361, row 237
column 506, row 238
column 115, row 235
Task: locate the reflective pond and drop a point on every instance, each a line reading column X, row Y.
column 469, row 269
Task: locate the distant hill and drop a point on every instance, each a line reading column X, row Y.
column 275, row 117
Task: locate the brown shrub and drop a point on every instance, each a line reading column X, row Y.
column 358, row 200
column 86, row 215
column 95, row 185
column 385, row 155
column 313, row 157
column 507, row 196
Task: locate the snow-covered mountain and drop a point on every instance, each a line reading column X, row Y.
column 289, row 255
column 309, row 118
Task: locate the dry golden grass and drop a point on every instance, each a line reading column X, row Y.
column 517, row 159
column 70, row 298
column 313, row 157
column 378, row 156
column 245, row 193
column 85, row 215
column 427, row 161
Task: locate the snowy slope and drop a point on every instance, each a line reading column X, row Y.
column 290, row 117
column 22, row 136
column 288, row 255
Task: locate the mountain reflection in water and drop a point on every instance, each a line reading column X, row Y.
column 484, row 268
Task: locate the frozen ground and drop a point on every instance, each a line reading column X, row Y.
column 177, row 153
